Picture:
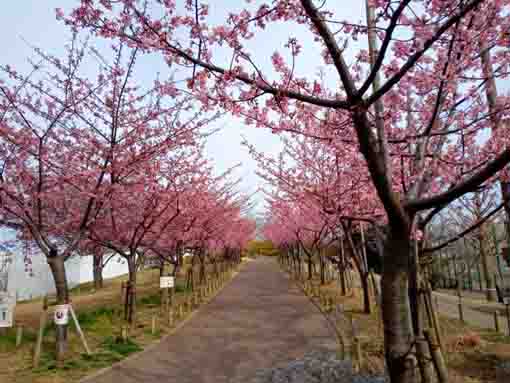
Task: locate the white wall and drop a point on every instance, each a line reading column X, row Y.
column 40, row 281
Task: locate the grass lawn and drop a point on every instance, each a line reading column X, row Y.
column 99, row 315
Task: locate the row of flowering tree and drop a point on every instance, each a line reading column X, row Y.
column 416, row 108
column 92, row 162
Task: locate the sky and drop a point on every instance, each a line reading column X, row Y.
column 33, row 22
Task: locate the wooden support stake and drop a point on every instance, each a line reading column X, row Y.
column 124, row 333
column 496, row 321
column 19, row 335
column 437, row 357
column 461, row 311
column 508, row 317
column 356, row 352
column 40, row 333
column 80, row 332
column 153, row 325
column 340, row 351
column 433, row 315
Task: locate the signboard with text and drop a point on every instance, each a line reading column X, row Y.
column 7, row 306
column 166, row 282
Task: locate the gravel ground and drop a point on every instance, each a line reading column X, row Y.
column 315, row 367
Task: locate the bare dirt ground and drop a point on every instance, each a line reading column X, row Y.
column 259, row 320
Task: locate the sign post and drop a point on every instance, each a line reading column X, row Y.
column 7, row 306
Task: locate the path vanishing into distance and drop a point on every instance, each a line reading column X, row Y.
column 259, row 320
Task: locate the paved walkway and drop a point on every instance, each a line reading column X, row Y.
column 257, row 321
column 448, row 306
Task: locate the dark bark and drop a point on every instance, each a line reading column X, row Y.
column 343, row 286
column 322, row 269
column 57, row 267
column 131, row 290
column 366, row 293
column 98, row 271
column 398, row 330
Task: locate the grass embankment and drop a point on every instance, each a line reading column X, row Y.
column 472, row 354
column 100, row 317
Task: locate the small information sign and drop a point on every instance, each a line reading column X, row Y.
column 166, row 282
column 61, row 314
column 7, row 306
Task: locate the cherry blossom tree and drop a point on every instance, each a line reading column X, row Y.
column 69, row 143
column 414, row 106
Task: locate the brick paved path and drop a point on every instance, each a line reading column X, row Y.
column 258, row 320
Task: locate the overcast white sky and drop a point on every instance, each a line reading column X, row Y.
column 34, row 21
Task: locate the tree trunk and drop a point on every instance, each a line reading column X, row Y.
column 343, row 286
column 201, row 278
column 58, row 271
column 398, row 330
column 98, row 271
column 487, row 272
column 131, row 290
column 162, row 292
column 366, row 293
column 322, row 269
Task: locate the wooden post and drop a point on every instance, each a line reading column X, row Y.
column 496, row 321
column 433, row 316
column 40, row 334
column 340, row 351
column 78, row 328
column 356, row 352
column 124, row 333
column 153, row 325
column 19, row 335
column 189, row 303
column 437, row 357
column 461, row 311
column 508, row 317
column 122, row 298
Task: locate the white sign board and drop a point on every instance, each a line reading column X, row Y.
column 166, row 282
column 7, row 305
column 61, row 314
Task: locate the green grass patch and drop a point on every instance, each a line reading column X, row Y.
column 181, row 288
column 8, row 341
column 89, row 319
column 120, row 347
column 151, row 300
